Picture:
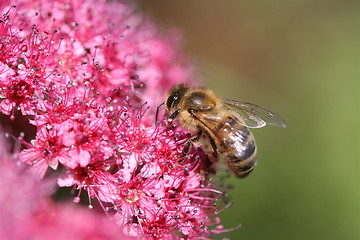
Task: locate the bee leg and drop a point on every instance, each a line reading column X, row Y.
column 213, row 155
column 157, row 113
column 173, row 115
column 188, row 144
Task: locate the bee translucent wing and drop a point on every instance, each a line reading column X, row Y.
column 254, row 116
column 210, row 121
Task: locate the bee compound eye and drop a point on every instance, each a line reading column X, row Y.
column 175, row 96
column 172, row 100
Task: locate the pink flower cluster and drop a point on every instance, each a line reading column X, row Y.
column 88, row 75
column 27, row 213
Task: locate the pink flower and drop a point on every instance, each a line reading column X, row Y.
column 27, row 212
column 89, row 75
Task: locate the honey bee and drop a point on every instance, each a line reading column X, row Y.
column 225, row 122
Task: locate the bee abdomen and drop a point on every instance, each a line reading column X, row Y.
column 246, row 151
column 244, row 163
column 237, row 145
column 239, row 149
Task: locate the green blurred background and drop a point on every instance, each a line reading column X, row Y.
column 301, row 58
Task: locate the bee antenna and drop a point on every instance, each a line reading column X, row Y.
column 157, row 112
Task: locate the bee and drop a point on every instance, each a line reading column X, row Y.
column 224, row 122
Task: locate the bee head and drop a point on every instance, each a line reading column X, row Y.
column 175, row 94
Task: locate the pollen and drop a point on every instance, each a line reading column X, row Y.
column 133, row 195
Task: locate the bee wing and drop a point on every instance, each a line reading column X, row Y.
column 210, row 121
column 254, row 116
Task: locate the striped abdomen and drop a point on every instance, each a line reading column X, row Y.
column 237, row 144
